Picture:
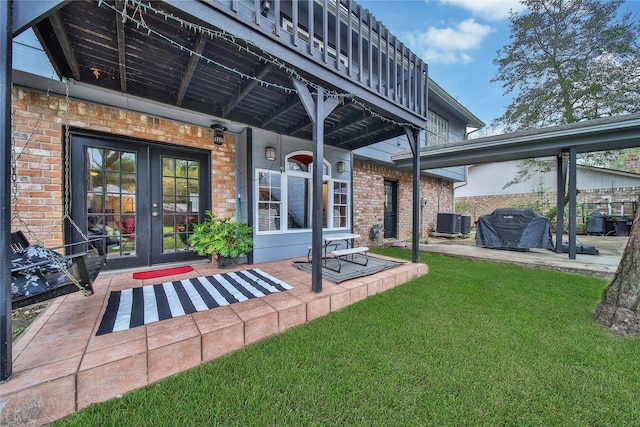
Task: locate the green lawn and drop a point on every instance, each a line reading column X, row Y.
column 471, row 343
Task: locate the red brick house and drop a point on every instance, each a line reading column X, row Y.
column 133, row 139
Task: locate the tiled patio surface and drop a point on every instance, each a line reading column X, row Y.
column 60, row 366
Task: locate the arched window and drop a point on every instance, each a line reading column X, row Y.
column 302, row 161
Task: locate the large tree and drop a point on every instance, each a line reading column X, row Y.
column 619, row 308
column 567, row 61
column 574, row 60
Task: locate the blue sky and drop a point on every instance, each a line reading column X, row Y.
column 459, row 40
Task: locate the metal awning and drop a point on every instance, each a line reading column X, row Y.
column 563, row 142
column 610, row 133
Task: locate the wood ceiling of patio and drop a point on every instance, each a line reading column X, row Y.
column 172, row 62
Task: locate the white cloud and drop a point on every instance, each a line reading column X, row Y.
column 449, row 45
column 491, row 10
column 434, row 56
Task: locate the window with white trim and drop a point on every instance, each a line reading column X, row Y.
column 285, row 199
column 340, row 204
column 269, row 201
column 437, row 129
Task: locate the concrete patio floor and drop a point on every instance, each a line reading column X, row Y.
column 61, row 366
column 603, row 265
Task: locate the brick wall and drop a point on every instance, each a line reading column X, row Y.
column 368, row 209
column 630, row 164
column 37, row 132
column 39, row 119
column 482, row 205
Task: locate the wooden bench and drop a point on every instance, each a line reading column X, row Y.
column 339, row 254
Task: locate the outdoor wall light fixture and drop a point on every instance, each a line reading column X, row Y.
column 218, row 133
column 270, row 153
column 340, row 166
column 265, row 5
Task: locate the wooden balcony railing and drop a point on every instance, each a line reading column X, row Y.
column 343, row 37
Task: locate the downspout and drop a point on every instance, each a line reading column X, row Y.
column 466, row 171
column 250, row 187
column 464, row 184
column 466, row 135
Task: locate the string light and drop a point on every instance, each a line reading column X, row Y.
column 139, row 7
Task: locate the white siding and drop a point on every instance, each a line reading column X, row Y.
column 489, row 180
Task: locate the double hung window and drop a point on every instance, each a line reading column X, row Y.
column 437, row 129
column 269, row 201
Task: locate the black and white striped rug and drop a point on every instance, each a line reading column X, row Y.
column 138, row 306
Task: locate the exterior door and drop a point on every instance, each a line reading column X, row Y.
column 143, row 198
column 390, row 209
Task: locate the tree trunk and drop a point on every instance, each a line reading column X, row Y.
column 619, row 310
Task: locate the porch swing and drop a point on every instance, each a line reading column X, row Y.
column 40, row 273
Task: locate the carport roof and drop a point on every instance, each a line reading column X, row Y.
column 610, row 133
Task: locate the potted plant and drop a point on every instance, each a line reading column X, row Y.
column 222, row 237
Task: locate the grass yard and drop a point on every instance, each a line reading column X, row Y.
column 471, row 343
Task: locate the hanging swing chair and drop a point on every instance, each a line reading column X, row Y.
column 40, row 273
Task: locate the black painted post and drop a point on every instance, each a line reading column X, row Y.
column 561, row 172
column 414, row 142
column 316, row 214
column 572, row 201
column 318, row 110
column 6, row 354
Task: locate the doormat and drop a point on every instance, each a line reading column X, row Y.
column 152, row 274
column 350, row 270
column 139, row 306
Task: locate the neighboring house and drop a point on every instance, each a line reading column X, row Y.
column 611, row 192
column 143, row 157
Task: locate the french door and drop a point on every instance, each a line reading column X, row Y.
column 143, row 198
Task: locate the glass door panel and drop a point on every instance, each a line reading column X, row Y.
column 111, row 199
column 180, row 193
column 180, row 202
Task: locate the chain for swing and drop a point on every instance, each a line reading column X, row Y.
column 15, row 156
column 67, row 182
column 67, row 168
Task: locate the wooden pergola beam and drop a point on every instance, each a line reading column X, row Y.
column 198, row 47
column 261, row 70
column 121, row 47
column 65, row 44
column 292, row 102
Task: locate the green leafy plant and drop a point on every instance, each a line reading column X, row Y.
column 221, row 237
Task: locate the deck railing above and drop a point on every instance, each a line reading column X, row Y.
column 343, row 37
